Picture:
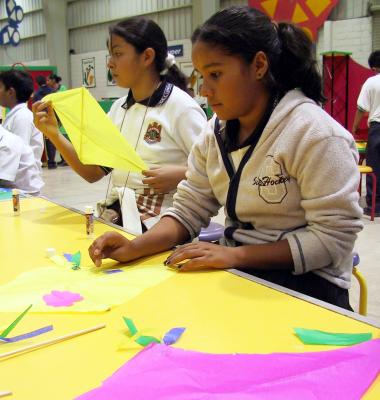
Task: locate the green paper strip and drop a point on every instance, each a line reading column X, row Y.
column 310, row 336
column 131, row 326
column 76, row 257
column 6, row 332
column 145, row 340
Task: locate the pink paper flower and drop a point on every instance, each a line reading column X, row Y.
column 59, row 298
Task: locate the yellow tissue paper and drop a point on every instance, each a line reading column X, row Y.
column 94, row 136
column 100, row 291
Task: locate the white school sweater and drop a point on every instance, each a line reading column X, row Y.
column 300, row 183
column 20, row 122
column 17, row 164
column 162, row 134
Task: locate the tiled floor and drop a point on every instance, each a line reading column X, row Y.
column 66, row 187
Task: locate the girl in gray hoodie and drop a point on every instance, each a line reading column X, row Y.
column 284, row 170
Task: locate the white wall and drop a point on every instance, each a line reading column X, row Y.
column 102, row 90
column 351, row 35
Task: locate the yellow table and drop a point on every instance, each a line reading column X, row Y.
column 223, row 312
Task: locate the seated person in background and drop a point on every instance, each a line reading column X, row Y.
column 18, row 168
column 16, row 87
column 284, row 170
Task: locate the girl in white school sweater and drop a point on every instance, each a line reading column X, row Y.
column 284, row 171
column 158, row 119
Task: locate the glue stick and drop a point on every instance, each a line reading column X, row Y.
column 89, row 212
column 16, row 201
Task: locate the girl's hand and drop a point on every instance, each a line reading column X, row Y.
column 112, row 245
column 202, row 255
column 45, row 120
column 165, row 178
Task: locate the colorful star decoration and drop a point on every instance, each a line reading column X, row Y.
column 308, row 14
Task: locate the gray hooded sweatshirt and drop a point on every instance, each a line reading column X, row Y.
column 300, row 184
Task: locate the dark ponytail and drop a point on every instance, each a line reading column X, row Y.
column 297, row 67
column 176, row 77
column 143, row 33
column 244, row 31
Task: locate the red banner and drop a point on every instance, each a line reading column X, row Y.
column 308, row 14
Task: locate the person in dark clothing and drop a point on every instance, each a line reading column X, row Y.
column 43, row 88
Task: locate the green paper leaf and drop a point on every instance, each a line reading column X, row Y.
column 310, row 336
column 145, row 340
column 131, row 326
column 76, row 257
column 6, row 332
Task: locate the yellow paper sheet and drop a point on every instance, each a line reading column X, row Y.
column 95, row 138
column 100, row 291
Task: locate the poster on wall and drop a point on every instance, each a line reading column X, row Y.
column 110, row 80
column 88, row 72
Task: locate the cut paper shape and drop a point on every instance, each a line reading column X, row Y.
column 68, row 256
column 112, row 271
column 147, row 340
column 131, row 326
column 310, row 336
column 95, row 138
column 28, row 335
column 165, row 372
column 74, row 259
column 6, row 331
column 61, row 299
column 142, row 340
column 173, row 335
column 100, row 291
column 169, row 338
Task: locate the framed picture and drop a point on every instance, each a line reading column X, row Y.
column 110, row 81
column 88, row 72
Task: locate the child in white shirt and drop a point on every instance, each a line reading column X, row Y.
column 18, row 168
column 16, row 87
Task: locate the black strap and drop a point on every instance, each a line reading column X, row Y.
column 236, row 176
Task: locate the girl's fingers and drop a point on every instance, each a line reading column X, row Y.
column 196, row 264
column 184, row 254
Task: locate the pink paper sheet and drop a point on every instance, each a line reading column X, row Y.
column 165, row 373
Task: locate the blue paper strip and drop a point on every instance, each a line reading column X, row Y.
column 27, row 335
column 173, row 335
column 68, row 256
column 112, row 271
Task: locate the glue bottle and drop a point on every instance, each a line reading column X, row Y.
column 89, row 212
column 16, row 201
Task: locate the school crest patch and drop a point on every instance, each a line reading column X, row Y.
column 153, row 133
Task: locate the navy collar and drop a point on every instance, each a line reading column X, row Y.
column 159, row 97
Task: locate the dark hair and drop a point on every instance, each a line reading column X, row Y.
column 244, row 31
column 55, row 78
column 143, row 33
column 41, row 80
column 20, row 81
column 374, row 59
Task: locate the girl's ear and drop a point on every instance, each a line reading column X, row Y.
column 260, row 65
column 148, row 55
column 12, row 92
